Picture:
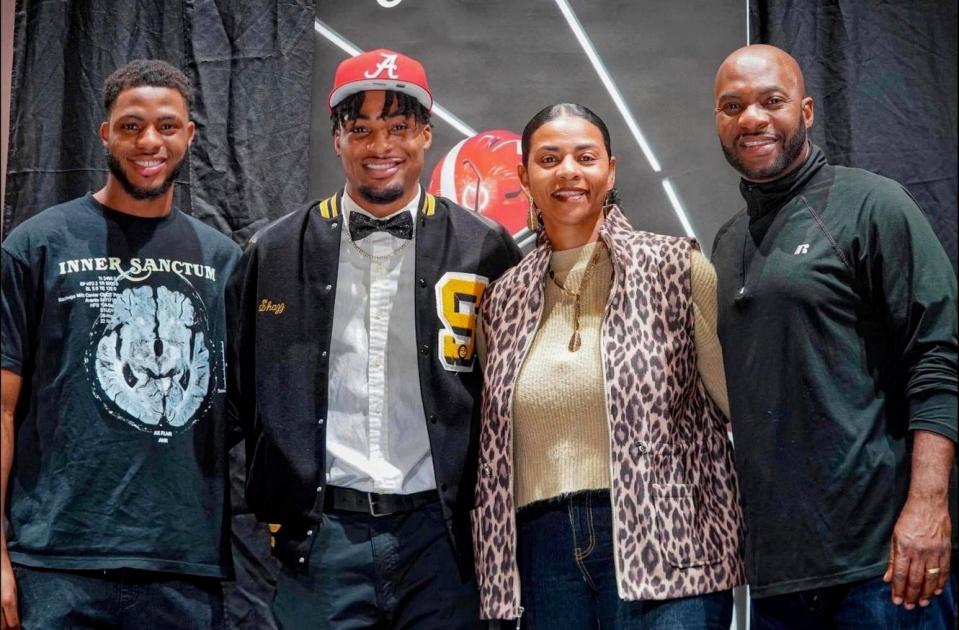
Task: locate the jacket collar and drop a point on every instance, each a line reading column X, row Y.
column 761, row 199
column 331, row 207
column 615, row 229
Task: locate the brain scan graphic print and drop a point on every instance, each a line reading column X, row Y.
column 149, row 359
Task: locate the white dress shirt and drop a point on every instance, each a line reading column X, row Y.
column 376, row 439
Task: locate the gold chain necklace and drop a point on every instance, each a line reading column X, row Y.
column 575, row 341
column 385, row 258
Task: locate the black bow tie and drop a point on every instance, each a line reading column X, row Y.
column 361, row 226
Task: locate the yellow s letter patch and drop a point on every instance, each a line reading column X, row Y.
column 458, row 298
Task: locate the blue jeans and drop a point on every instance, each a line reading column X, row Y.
column 396, row 571
column 862, row 605
column 116, row 599
column 568, row 580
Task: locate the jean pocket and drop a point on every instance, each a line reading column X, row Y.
column 679, row 528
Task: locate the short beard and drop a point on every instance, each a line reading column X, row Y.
column 381, row 197
column 138, row 192
column 791, row 150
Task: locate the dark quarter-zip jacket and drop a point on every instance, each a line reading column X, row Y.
column 837, row 317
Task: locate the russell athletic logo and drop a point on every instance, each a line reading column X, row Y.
column 802, row 249
column 388, row 65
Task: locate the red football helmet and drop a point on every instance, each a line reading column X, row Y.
column 479, row 173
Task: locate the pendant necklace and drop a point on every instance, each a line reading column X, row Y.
column 575, row 341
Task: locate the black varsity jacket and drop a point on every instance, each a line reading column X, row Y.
column 280, row 313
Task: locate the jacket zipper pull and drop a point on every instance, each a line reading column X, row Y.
column 519, row 616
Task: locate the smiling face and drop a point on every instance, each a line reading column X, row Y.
column 382, row 156
column 567, row 175
column 146, row 138
column 762, row 113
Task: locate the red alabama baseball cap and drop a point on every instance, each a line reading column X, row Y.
column 381, row 69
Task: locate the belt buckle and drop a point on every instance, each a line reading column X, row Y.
column 369, row 499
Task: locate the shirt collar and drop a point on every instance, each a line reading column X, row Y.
column 350, row 206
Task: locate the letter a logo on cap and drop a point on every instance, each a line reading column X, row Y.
column 381, row 69
column 388, row 65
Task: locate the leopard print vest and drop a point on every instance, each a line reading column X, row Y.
column 677, row 526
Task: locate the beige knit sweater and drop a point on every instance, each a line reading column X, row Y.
column 560, row 428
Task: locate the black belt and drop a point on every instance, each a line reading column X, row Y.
column 349, row 500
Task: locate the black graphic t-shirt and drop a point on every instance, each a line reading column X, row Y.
column 116, row 325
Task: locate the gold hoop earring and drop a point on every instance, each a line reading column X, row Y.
column 532, row 221
column 608, row 202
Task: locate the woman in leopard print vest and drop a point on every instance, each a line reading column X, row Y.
column 606, row 494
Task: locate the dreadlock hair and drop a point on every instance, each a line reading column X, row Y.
column 349, row 108
column 146, row 72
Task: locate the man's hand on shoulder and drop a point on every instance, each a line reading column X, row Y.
column 920, row 549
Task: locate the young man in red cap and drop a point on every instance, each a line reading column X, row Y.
column 355, row 375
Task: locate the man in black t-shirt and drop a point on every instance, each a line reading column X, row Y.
column 114, row 452
column 837, row 317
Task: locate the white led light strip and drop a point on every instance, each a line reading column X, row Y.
column 351, row 49
column 614, row 93
column 678, row 207
column 607, row 80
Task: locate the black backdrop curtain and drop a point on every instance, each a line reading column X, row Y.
column 251, row 62
column 883, row 77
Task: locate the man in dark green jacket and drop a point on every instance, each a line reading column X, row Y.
column 837, row 315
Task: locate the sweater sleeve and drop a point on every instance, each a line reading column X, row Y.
column 709, row 354
column 911, row 282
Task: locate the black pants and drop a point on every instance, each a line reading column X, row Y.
column 396, row 571
column 117, row 599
